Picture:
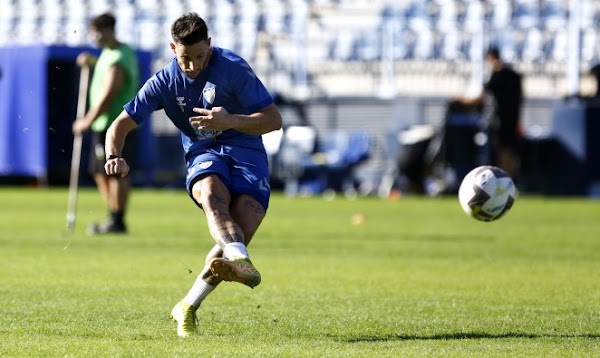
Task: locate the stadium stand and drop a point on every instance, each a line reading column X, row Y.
column 315, row 42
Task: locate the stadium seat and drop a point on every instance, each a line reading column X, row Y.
column 526, row 13
column 175, row 9
column 473, row 17
column 274, row 16
column 52, row 32
column 500, row 14
column 248, row 11
column 98, row 7
column 203, row 8
column 75, row 11
column 272, row 143
column 144, row 27
column 590, row 14
column 450, row 45
column 447, row 18
column 344, row 48
column 6, row 34
column 296, row 147
column 225, row 36
column 557, row 48
column 533, row 46
column 417, row 16
column 76, row 31
column 369, row 45
column 52, row 10
column 337, row 154
column 246, row 40
column 402, row 46
column 589, row 45
column 554, row 14
column 26, row 32
column 223, row 14
column 424, row 44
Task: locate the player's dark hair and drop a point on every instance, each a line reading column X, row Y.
column 494, row 52
column 189, row 29
column 104, row 21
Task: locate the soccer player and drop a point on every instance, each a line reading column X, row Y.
column 222, row 109
column 114, row 83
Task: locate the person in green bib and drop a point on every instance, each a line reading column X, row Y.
column 115, row 82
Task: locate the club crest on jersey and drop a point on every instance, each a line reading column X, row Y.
column 181, row 103
column 209, row 92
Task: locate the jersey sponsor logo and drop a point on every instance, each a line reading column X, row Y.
column 181, row 103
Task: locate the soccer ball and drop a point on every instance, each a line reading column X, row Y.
column 487, row 193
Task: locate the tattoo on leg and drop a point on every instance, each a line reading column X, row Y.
column 228, row 238
column 225, row 230
column 219, row 199
column 254, row 207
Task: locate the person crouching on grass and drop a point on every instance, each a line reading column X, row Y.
column 221, row 108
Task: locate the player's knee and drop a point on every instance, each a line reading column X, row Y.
column 211, row 196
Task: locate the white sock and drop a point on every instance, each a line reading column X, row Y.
column 235, row 250
column 200, row 289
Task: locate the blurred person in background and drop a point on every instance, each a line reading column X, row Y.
column 222, row 110
column 505, row 86
column 114, row 82
column 595, row 72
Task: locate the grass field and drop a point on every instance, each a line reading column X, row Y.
column 417, row 278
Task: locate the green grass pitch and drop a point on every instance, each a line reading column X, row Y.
column 416, row 278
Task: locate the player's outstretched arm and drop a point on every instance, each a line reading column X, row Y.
column 113, row 146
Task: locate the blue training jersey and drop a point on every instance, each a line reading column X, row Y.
column 227, row 81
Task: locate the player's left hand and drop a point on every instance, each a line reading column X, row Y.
column 216, row 118
column 116, row 166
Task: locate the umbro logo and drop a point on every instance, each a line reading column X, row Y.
column 264, row 184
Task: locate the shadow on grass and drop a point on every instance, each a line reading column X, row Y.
column 466, row 335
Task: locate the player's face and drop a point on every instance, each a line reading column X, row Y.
column 192, row 59
column 101, row 36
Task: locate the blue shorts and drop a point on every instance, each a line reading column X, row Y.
column 242, row 170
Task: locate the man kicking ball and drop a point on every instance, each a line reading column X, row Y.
column 221, row 108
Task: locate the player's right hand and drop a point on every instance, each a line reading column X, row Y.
column 116, row 166
column 85, row 59
column 80, row 126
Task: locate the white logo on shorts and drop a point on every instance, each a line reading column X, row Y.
column 206, row 164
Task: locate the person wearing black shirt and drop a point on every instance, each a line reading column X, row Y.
column 595, row 71
column 505, row 86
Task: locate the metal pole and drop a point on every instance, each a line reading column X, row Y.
column 574, row 53
column 387, row 81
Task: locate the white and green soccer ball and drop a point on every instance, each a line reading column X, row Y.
column 487, row 193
